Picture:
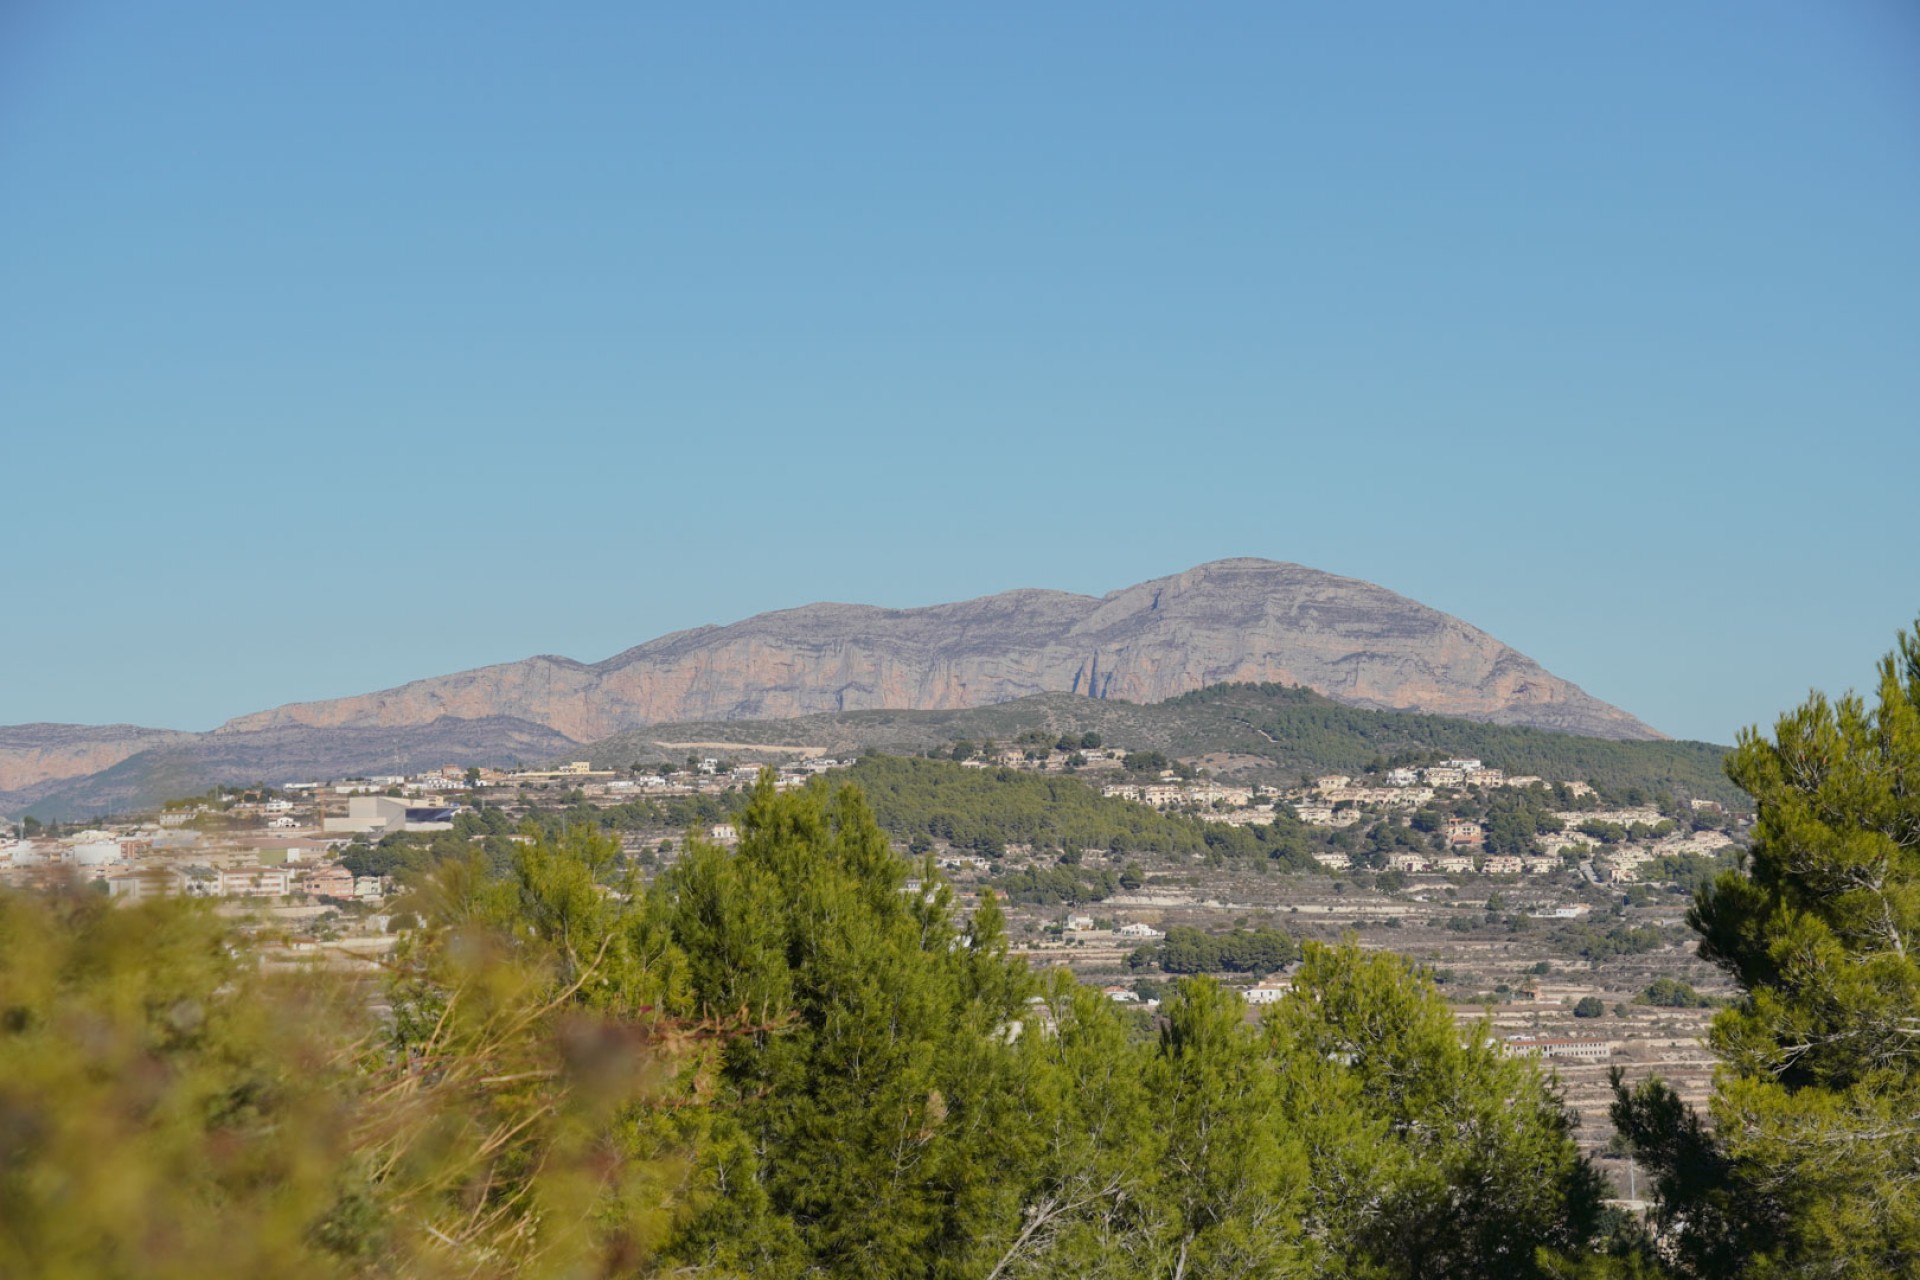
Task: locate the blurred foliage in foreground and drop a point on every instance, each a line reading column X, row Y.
column 783, row 1060
column 165, row 1110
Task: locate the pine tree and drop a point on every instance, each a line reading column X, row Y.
column 1430, row 1157
column 1812, row 1164
column 1234, row 1178
column 1088, row 1209
column 871, row 1125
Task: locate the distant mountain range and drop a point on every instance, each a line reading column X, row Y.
column 1232, row 620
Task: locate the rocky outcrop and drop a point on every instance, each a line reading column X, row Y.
column 1244, row 620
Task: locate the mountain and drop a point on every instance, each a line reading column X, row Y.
column 38, row 758
column 1232, row 620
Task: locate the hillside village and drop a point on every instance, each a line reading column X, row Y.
column 270, row 842
column 286, row 843
column 1608, row 844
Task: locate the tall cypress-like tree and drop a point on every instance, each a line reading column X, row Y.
column 1812, row 1164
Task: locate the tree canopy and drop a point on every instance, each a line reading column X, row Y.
column 1811, row 1165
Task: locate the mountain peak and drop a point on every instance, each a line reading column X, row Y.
column 1236, row 619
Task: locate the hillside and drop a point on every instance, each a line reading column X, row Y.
column 988, row 809
column 187, row 764
column 1260, row 733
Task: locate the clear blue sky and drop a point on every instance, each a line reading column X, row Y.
column 350, row 343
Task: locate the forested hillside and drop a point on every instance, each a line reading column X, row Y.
column 1276, row 733
column 1320, row 734
column 985, row 810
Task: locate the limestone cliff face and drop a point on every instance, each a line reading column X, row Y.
column 1249, row 620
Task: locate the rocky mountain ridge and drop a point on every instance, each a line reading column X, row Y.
column 1231, row 620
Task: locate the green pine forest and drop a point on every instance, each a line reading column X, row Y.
column 783, row 1059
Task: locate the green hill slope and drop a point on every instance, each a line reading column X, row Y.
column 987, row 809
column 1258, row 733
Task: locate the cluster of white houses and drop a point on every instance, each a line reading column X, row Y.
column 1333, row 800
column 703, row 775
column 157, row 859
column 1268, row 990
column 195, row 880
column 1337, row 800
column 1494, row 864
column 146, row 862
column 290, row 841
column 1163, row 794
column 1563, row 1047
